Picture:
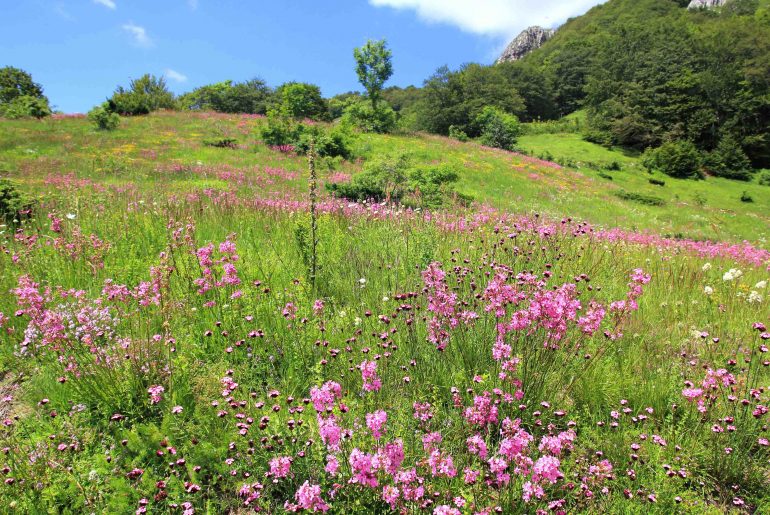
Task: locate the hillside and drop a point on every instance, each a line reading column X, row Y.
column 586, row 189
column 172, row 337
column 649, row 71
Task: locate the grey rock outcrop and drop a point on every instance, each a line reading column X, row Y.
column 530, row 39
column 706, row 4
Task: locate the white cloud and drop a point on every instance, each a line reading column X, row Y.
column 498, row 18
column 109, row 4
column 139, row 34
column 175, row 75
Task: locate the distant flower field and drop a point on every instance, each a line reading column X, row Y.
column 177, row 335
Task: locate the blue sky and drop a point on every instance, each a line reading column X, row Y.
column 80, row 50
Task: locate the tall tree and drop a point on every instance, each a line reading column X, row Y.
column 374, row 67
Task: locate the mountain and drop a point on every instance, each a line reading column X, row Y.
column 528, row 40
column 651, row 71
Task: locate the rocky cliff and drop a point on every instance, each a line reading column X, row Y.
column 708, row 4
column 530, row 39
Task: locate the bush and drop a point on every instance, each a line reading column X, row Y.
column 144, row 95
column 498, row 128
column 764, row 179
column 13, row 203
column 301, row 100
column 729, row 160
column 392, row 179
column 605, row 175
column 336, row 142
column 26, row 106
column 280, row 130
column 457, row 133
column 745, row 197
column 648, row 200
column 362, row 115
column 657, row 182
column 103, row 118
column 676, row 158
column 251, row 97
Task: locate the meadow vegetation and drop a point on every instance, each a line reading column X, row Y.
column 166, row 346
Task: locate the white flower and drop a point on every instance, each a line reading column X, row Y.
column 357, row 321
column 71, row 216
column 732, row 274
column 385, row 299
column 761, row 285
column 362, row 282
column 754, row 298
column 708, row 290
column 707, row 267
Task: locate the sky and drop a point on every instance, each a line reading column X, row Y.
column 81, row 50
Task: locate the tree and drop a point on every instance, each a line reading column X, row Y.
column 301, row 100
column 20, row 96
column 16, row 83
column 144, row 95
column 251, row 97
column 374, row 68
column 498, row 128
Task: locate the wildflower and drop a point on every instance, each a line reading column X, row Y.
column 362, row 283
column 732, row 275
column 332, row 465
column 156, row 393
column 308, row 497
column 372, row 382
column 706, row 267
column 547, row 468
column 754, row 297
column 761, row 285
column 70, row 216
column 708, row 290
column 477, row 445
column 280, row 467
column 376, row 422
column 176, row 409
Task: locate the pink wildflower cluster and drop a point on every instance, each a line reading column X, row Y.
column 218, row 271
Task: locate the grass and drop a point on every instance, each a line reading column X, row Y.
column 238, row 344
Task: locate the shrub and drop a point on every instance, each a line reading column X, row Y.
column 336, row 142
column 223, row 142
column 103, row 118
column 457, row 133
column 729, row 160
column 382, row 179
column 648, row 200
column 26, row 106
column 657, row 182
column 498, row 128
column 279, row 130
column 605, row 175
column 301, row 100
column 614, row 166
column 764, row 179
column 675, row 158
column 392, row 179
column 381, row 119
column 12, row 202
column 251, row 97
column 144, row 95
column 745, row 197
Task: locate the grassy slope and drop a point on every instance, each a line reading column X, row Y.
column 708, row 209
column 389, row 255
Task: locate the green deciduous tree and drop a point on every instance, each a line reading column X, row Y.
column 374, row 67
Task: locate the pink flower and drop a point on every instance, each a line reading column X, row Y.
column 280, row 467
column 308, row 497
column 376, row 423
column 477, row 445
column 156, row 393
column 546, row 468
column 372, row 382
